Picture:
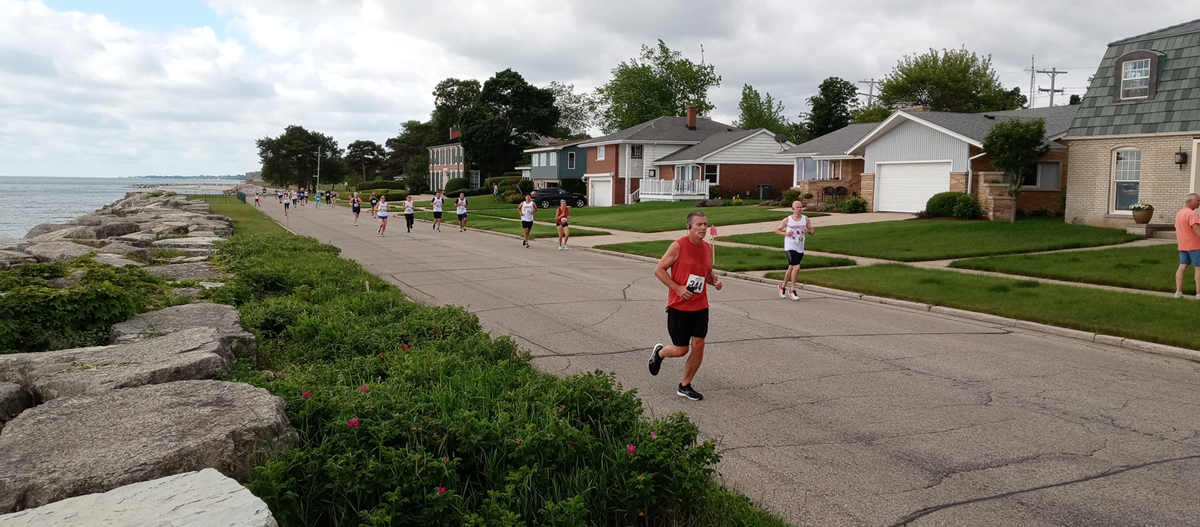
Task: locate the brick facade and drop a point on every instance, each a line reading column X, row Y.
column 1030, row 199
column 1163, row 183
column 738, row 180
column 610, row 165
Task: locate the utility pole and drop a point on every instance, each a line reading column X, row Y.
column 871, row 92
column 1052, row 72
column 1032, row 79
column 318, row 168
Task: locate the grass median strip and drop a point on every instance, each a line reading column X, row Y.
column 1150, row 268
column 730, row 258
column 246, row 218
column 1144, row 317
column 653, row 216
column 486, row 223
column 921, row 240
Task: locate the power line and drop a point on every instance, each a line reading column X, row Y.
column 871, row 93
column 1052, row 72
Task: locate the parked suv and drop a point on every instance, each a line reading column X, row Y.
column 549, row 198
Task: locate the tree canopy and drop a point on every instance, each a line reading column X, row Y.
column 291, row 159
column 832, row 107
column 504, row 119
column 365, row 158
column 950, row 81
column 450, row 98
column 1015, row 146
column 574, row 111
column 758, row 111
column 657, row 83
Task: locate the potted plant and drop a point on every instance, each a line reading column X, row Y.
column 1142, row 212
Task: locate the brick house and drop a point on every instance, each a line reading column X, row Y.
column 446, row 162
column 823, row 162
column 558, row 160
column 618, row 164
column 914, row 154
column 737, row 162
column 1137, row 134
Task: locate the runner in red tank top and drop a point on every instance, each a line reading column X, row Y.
column 686, row 269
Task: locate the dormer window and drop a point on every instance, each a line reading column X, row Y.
column 1135, row 79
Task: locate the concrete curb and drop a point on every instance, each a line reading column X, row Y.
column 1110, row 340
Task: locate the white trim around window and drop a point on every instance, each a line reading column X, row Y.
column 1125, row 181
column 570, row 160
column 600, row 153
column 714, row 175
column 1048, row 176
column 1135, row 79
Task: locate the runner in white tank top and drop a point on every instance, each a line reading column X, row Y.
column 793, row 229
column 527, row 208
column 381, row 210
column 438, row 202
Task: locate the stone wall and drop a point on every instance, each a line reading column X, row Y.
column 1163, row 183
column 867, row 193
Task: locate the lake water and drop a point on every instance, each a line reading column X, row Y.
column 26, row 202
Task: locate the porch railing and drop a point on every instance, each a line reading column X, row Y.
column 683, row 188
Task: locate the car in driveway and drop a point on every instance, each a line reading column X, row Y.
column 549, row 198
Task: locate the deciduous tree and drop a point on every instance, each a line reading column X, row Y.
column 365, row 158
column 574, row 110
column 657, row 83
column 832, row 107
column 1015, row 147
column 504, row 120
column 948, row 81
column 450, row 98
column 291, row 159
column 759, row 111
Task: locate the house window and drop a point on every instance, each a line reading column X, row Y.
column 653, row 173
column 551, row 184
column 686, row 172
column 553, row 159
column 809, row 169
column 571, row 160
column 1045, row 176
column 711, row 173
column 1135, row 79
column 600, row 153
column 1127, row 176
column 635, row 151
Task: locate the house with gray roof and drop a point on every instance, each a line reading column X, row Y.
column 620, row 163
column 740, row 163
column 821, row 166
column 558, row 160
column 1137, row 134
column 914, row 154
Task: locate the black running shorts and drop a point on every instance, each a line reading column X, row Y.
column 526, row 224
column 356, row 210
column 437, row 214
column 794, row 257
column 683, row 325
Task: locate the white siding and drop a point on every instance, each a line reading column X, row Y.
column 655, row 152
column 758, row 150
column 917, row 142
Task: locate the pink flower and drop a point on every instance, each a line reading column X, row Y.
column 306, row 395
column 653, row 435
column 353, row 422
column 441, row 490
column 446, row 459
column 631, row 449
column 364, row 388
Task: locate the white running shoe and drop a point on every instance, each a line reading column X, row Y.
column 792, row 294
column 782, row 291
column 1179, row 294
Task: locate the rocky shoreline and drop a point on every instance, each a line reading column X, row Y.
column 115, row 433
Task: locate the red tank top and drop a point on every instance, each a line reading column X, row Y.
column 691, row 270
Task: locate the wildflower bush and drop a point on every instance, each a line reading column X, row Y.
column 37, row 317
column 412, row 415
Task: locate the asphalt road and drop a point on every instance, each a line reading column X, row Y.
column 832, row 411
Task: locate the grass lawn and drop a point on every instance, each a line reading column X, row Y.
column 475, row 203
column 1151, row 268
column 654, row 216
column 730, row 258
column 479, row 222
column 246, row 218
column 1144, row 317
column 919, row 240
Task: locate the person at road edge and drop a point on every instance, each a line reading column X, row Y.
column 1187, row 235
column 793, row 229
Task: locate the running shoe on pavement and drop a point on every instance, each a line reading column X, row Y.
column 687, row 391
column 655, row 360
column 793, row 295
column 782, row 291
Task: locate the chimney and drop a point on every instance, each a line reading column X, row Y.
column 691, row 118
column 453, row 133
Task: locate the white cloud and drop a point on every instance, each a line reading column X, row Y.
column 83, row 95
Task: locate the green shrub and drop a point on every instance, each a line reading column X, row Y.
column 513, row 196
column 456, row 184
column 410, row 414
column 502, row 180
column 36, row 317
column 396, row 196
column 478, row 191
column 385, row 184
column 789, row 196
column 525, row 185
column 575, row 185
column 714, row 191
column 965, row 207
column 853, row 205
column 941, row 205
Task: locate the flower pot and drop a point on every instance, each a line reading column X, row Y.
column 1143, row 216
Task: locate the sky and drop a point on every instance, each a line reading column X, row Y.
column 185, row 87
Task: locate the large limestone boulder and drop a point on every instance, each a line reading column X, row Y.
column 9, row 259
column 186, row 271
column 122, row 248
column 194, row 499
column 137, row 239
column 116, row 261
column 95, row 443
column 56, row 251
column 72, row 232
column 13, row 401
column 195, row 353
column 46, row 228
column 199, row 242
column 225, row 319
column 14, row 244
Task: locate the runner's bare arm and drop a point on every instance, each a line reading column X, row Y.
column 808, row 228
column 781, row 229
column 662, row 271
column 713, row 279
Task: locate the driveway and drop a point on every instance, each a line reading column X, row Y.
column 832, row 411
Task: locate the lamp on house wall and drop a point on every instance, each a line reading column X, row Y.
column 1181, row 158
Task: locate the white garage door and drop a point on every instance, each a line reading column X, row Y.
column 600, row 192
column 905, row 187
